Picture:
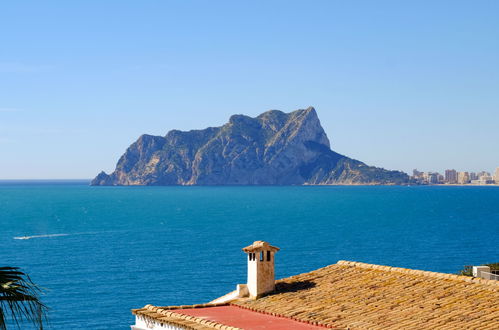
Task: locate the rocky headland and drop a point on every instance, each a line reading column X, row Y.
column 275, row 148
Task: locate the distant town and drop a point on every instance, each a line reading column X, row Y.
column 456, row 177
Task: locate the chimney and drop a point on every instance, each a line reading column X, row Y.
column 261, row 277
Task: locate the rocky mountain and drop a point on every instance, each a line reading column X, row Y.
column 275, row 148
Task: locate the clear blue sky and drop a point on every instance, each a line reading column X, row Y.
column 396, row 84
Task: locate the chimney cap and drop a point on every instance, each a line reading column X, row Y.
column 260, row 246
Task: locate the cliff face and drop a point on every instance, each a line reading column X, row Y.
column 275, row 148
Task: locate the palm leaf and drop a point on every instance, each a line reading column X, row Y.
column 19, row 298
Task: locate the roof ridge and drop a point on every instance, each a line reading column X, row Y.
column 192, row 306
column 426, row 273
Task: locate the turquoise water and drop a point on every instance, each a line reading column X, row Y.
column 129, row 246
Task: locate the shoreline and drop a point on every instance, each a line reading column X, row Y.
column 87, row 182
column 460, row 185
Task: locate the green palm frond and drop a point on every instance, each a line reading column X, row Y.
column 19, row 298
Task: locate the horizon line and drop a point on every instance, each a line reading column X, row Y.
column 89, row 179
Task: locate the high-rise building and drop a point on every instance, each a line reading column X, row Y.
column 417, row 174
column 463, row 177
column 432, row 177
column 473, row 176
column 496, row 176
column 450, row 176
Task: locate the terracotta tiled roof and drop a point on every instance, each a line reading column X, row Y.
column 259, row 246
column 219, row 316
column 168, row 315
column 363, row 296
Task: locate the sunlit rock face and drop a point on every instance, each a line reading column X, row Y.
column 275, row 148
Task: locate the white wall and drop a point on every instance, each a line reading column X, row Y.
column 261, row 278
column 477, row 270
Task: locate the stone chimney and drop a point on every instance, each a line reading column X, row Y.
column 261, row 278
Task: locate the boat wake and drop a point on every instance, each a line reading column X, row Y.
column 40, row 236
column 70, row 234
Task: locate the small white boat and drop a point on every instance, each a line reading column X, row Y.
column 40, row 236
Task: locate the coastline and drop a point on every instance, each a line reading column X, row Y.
column 87, row 182
column 461, row 185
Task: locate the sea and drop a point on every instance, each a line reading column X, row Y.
column 98, row 252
